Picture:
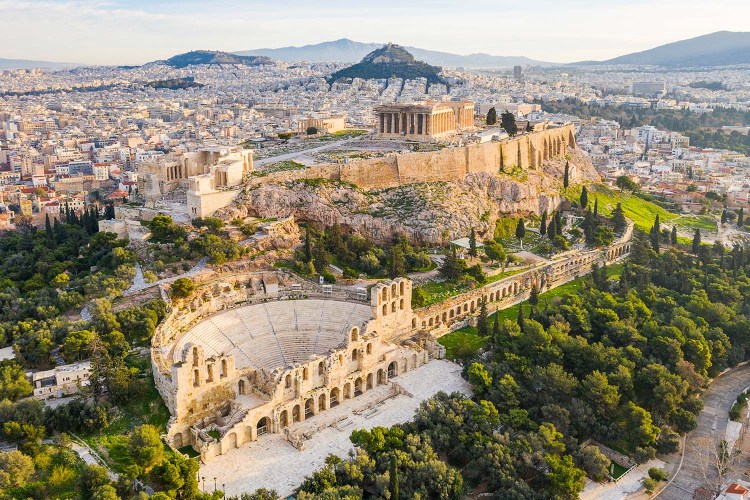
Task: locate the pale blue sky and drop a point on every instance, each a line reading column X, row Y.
column 137, row 31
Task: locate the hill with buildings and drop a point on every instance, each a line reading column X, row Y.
column 349, row 51
column 390, row 61
column 213, row 57
column 722, row 48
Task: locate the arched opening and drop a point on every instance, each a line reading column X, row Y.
column 401, row 304
column 392, row 369
column 284, row 419
column 347, row 392
column 393, row 290
column 414, row 322
column 321, row 368
column 393, row 306
column 195, row 356
column 430, row 323
column 304, row 373
column 295, row 414
column 369, row 348
column 223, row 368
column 262, row 426
column 232, row 438
column 404, row 366
column 241, row 386
column 354, row 355
column 369, row 381
column 309, row 410
column 210, row 372
column 451, row 314
column 413, row 361
column 288, row 381
column 381, row 377
column 385, row 293
column 334, row 397
column 445, row 317
column 177, row 440
column 355, row 334
column 322, row 402
column 357, row 387
column 401, row 288
column 196, row 378
column 385, row 309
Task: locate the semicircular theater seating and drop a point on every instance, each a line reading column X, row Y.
column 276, row 334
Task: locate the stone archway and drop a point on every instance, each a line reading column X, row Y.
column 177, row 440
column 232, row 440
column 392, row 369
column 334, row 397
column 262, row 427
column 284, row 419
column 309, row 408
column 296, row 417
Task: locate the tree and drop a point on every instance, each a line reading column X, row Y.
column 596, row 208
column 696, row 246
column 13, row 382
column 655, row 234
column 543, row 223
column 724, row 216
column 520, row 231
column 76, row 345
column 396, row 262
column 566, row 176
column 552, row 228
column 91, row 479
column 145, row 446
column 584, row 197
column 566, row 480
column 673, row 235
column 452, row 267
column 483, row 327
column 473, row 243
column 492, row 116
column 311, row 131
column 495, row 252
column 393, row 477
column 519, row 317
column 625, row 183
column 479, row 377
column 15, row 469
column 508, row 122
column 182, row 287
column 618, row 219
column 534, row 296
column 595, row 463
column 105, row 492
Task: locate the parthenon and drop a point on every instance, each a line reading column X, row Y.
column 424, row 120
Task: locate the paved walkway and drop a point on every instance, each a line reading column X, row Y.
column 712, row 425
column 139, row 283
column 296, row 154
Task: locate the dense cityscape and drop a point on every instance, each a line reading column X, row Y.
column 256, row 276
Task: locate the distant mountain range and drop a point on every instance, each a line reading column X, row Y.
column 348, row 51
column 722, row 48
column 387, row 61
column 26, row 64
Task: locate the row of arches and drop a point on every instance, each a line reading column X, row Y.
column 618, row 252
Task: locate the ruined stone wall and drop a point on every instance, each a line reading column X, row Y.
column 527, row 151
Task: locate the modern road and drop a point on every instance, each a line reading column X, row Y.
column 712, row 424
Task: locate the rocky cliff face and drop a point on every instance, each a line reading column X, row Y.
column 426, row 212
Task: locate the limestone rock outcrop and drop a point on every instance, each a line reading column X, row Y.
column 431, row 212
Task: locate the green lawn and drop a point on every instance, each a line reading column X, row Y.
column 467, row 339
column 616, row 470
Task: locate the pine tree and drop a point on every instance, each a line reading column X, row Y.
column 673, row 235
column 696, row 241
column 482, row 322
column 473, row 243
column 584, row 197
column 741, row 217
column 566, row 176
column 543, row 224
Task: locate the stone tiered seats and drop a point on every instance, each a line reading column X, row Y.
column 276, row 334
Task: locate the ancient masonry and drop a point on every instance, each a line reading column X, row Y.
column 528, row 151
column 257, row 353
column 424, row 121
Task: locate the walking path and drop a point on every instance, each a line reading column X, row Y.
column 296, row 154
column 139, row 283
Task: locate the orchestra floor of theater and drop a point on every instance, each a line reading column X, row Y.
column 272, row 462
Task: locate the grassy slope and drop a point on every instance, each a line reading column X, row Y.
column 467, row 338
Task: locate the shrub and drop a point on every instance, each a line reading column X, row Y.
column 657, row 474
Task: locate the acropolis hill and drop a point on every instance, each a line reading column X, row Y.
column 429, row 196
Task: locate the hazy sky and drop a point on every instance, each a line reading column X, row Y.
column 137, row 31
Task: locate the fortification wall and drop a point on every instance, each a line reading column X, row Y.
column 527, row 151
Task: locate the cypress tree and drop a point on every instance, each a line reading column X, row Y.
column 551, row 229
column 618, row 218
column 473, row 243
column 496, row 326
column 566, row 176
column 534, row 296
column 393, row 477
column 741, row 217
column 492, row 116
column 519, row 318
column 696, row 241
column 482, row 324
column 655, row 234
column 584, row 197
column 558, row 224
column 543, row 224
column 520, row 231
column 673, row 235
column 724, row 216
column 596, row 207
